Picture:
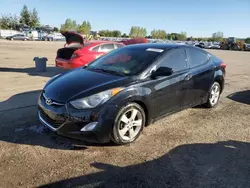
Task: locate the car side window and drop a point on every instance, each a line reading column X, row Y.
column 175, row 59
column 118, row 45
column 107, row 47
column 96, row 49
column 196, row 57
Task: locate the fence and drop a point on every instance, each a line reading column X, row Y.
column 6, row 33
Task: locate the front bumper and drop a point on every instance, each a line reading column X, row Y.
column 68, row 122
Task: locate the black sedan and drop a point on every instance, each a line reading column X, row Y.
column 117, row 95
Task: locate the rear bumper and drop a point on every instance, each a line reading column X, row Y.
column 65, row 64
column 70, row 64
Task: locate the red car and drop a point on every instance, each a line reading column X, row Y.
column 77, row 53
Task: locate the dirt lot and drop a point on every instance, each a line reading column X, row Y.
column 194, row 148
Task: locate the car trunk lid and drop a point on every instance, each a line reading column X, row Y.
column 73, row 37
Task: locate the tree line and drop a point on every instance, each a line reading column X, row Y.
column 71, row 25
column 31, row 19
column 28, row 18
column 137, row 31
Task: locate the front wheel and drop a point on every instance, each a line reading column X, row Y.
column 214, row 95
column 128, row 124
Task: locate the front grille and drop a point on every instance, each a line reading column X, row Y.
column 52, row 122
column 53, row 102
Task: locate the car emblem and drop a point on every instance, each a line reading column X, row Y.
column 48, row 101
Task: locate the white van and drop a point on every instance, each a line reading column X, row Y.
column 33, row 35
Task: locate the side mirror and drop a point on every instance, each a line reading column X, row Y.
column 162, row 71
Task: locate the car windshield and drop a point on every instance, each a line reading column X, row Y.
column 126, row 61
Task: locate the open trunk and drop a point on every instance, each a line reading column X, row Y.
column 66, row 52
column 74, row 41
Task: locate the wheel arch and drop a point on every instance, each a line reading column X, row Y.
column 138, row 97
column 145, row 108
column 220, row 80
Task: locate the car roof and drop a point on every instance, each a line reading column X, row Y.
column 164, row 46
column 155, row 45
column 101, row 42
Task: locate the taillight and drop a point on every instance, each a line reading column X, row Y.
column 223, row 65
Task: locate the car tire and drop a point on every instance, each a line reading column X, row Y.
column 214, row 95
column 128, row 124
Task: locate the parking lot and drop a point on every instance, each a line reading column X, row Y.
column 197, row 147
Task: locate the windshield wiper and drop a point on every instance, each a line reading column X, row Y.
column 108, row 71
column 113, row 72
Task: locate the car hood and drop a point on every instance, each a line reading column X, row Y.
column 80, row 83
column 73, row 37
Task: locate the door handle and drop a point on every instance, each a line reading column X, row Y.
column 188, row 77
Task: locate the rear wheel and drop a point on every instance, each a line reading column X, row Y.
column 128, row 124
column 214, row 95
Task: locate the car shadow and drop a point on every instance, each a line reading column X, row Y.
column 224, row 164
column 241, row 97
column 19, row 124
column 50, row 71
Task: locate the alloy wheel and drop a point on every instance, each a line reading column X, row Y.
column 215, row 95
column 130, row 124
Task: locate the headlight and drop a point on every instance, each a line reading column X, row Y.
column 95, row 100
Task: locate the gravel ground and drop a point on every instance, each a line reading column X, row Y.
column 197, row 147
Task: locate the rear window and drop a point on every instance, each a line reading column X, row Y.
column 107, row 47
column 118, row 45
column 128, row 61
